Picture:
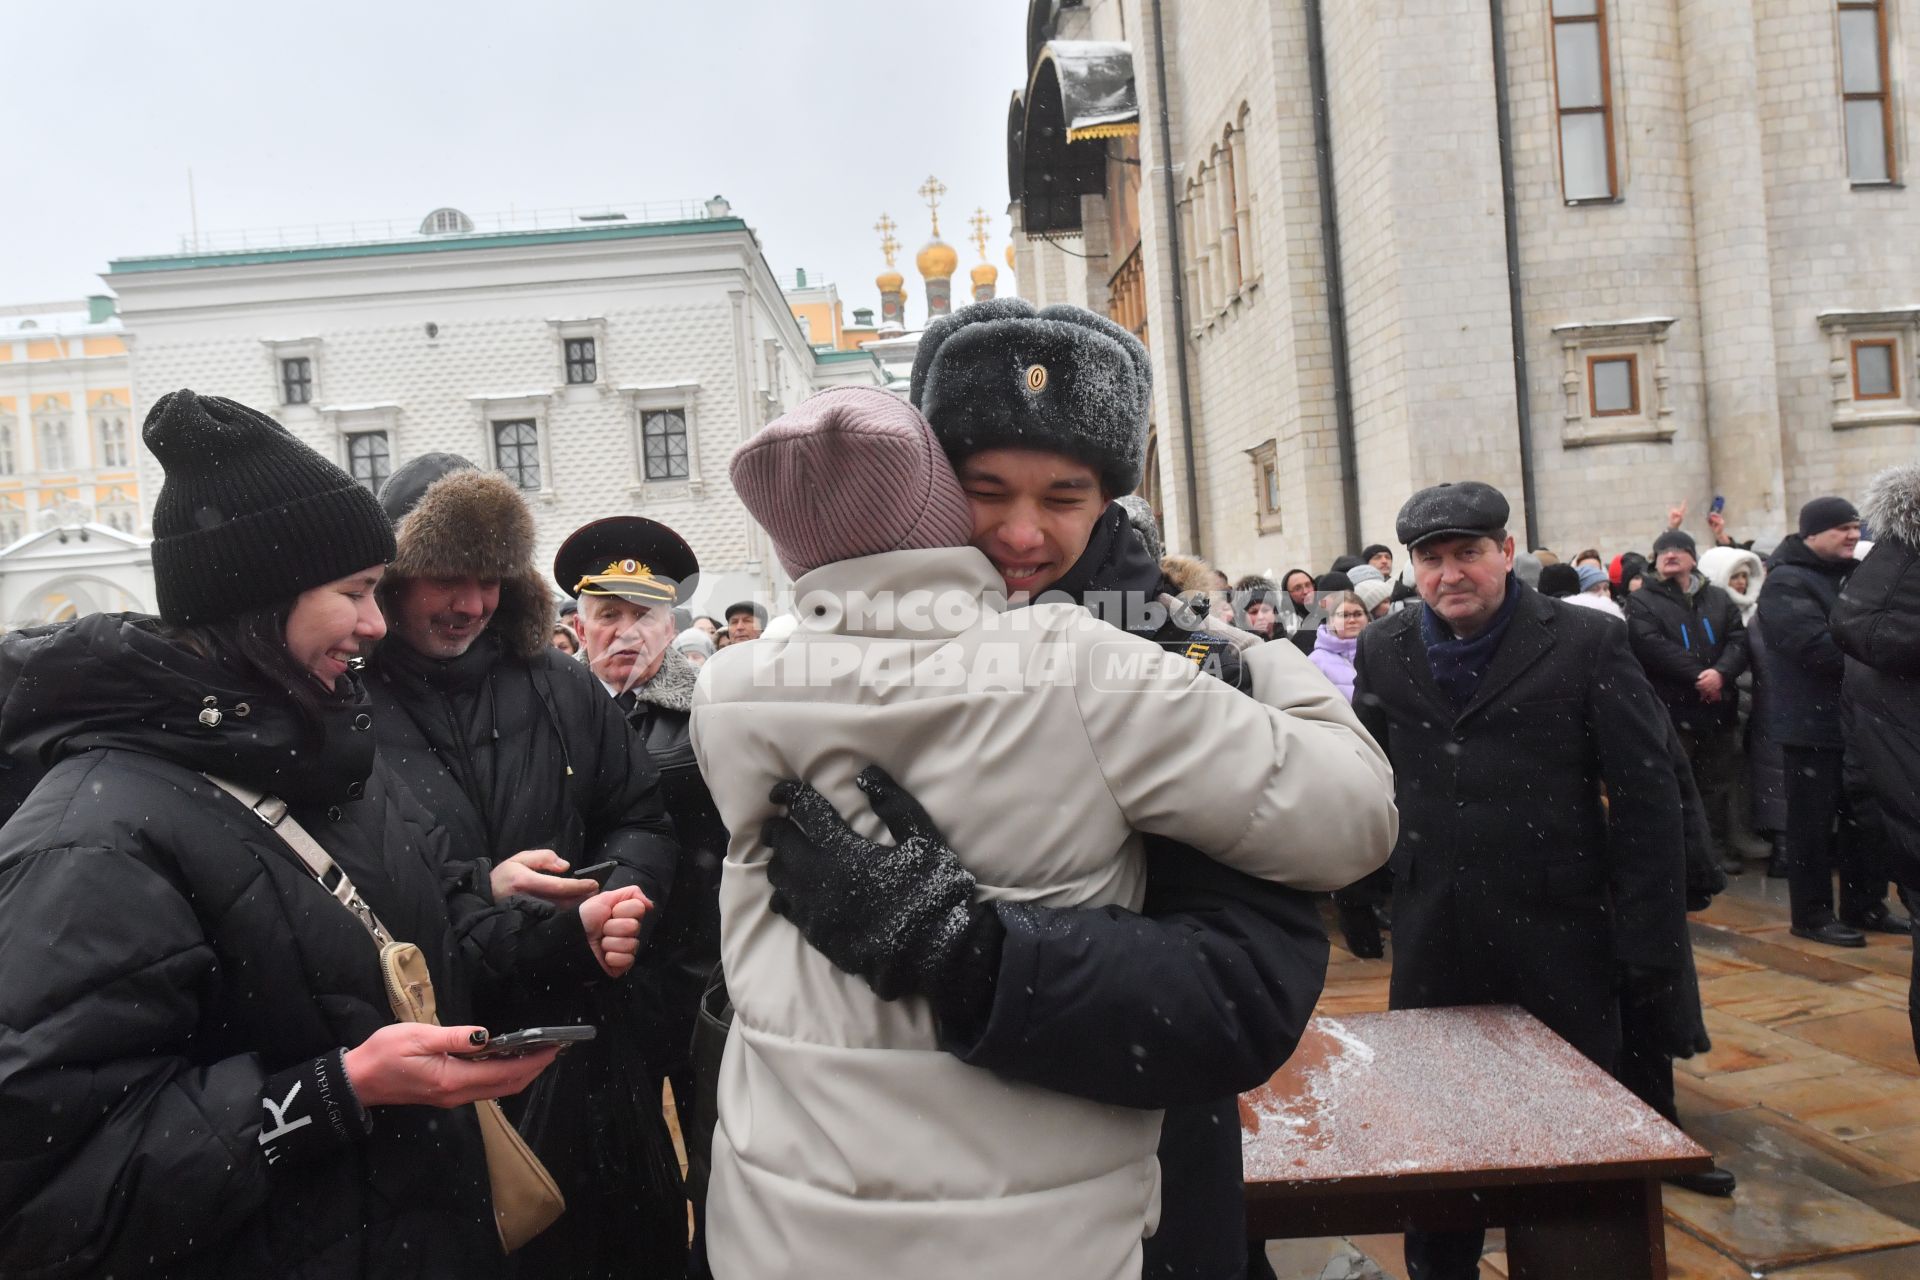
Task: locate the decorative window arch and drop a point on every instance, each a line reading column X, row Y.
column 112, row 448
column 1242, row 199
column 53, row 441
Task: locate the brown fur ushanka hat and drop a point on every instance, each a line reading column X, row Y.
column 465, row 522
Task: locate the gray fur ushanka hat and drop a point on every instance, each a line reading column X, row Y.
column 999, row 375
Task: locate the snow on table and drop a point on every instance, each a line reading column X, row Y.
column 1487, row 1094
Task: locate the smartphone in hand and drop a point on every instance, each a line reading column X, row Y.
column 518, row 1044
column 597, row 873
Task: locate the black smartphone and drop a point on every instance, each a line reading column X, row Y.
column 598, row 872
column 518, row 1044
column 1719, row 504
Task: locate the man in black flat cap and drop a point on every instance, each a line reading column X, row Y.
column 1507, row 717
column 745, row 621
column 627, row 573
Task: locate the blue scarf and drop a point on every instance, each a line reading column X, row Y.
column 1460, row 665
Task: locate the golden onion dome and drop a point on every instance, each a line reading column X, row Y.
column 889, row 280
column 1009, row 257
column 937, row 261
column 985, row 273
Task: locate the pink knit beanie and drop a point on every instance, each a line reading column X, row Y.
column 852, row 472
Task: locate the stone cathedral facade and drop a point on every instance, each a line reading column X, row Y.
column 1606, row 254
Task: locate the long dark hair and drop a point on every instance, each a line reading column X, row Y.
column 254, row 644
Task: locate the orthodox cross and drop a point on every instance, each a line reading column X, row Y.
column 931, row 190
column 980, row 222
column 888, row 245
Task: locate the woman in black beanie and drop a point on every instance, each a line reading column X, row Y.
column 199, row 1066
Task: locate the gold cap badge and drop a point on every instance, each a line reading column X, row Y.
column 1037, row 377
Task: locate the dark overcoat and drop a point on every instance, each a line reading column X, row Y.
column 1514, row 883
column 1804, row 667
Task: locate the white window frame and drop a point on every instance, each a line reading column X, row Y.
column 343, row 420
column 1899, row 325
column 308, row 349
column 517, row 406
column 594, row 327
column 1645, row 340
column 640, row 400
column 1266, row 461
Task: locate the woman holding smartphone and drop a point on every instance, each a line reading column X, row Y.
column 200, row 1073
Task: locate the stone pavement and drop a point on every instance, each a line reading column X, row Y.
column 1811, row 1095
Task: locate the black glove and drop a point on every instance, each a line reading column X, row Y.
column 900, row 916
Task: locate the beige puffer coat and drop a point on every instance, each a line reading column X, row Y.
column 848, row 1144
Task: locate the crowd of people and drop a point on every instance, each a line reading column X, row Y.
column 954, row 907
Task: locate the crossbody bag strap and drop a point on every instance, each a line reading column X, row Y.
column 273, row 811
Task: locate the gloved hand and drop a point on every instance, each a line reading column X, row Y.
column 896, row 915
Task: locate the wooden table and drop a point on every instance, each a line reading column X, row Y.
column 1454, row 1118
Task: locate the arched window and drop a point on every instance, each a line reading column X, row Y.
column 1242, row 197
column 53, row 445
column 110, row 433
column 445, row 222
column 1229, row 225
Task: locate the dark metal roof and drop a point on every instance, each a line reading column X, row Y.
column 1080, row 93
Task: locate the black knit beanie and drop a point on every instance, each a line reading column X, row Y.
column 1823, row 514
column 247, row 515
column 1676, row 540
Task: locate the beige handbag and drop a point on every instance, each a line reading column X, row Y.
column 526, row 1200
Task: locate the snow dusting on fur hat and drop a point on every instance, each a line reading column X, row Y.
column 464, row 522
column 1000, row 375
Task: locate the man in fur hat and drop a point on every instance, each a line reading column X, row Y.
column 533, row 771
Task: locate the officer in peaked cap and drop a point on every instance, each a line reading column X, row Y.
column 627, row 556
column 611, row 566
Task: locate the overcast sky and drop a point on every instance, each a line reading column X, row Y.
column 811, row 116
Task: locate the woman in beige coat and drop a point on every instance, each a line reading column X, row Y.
column 848, row 1143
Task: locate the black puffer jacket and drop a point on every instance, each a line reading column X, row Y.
column 1679, row 633
column 170, row 966
column 539, row 743
column 1876, row 623
column 521, row 748
column 1804, row 666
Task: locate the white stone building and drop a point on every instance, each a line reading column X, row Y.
column 1606, row 255
column 609, row 365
